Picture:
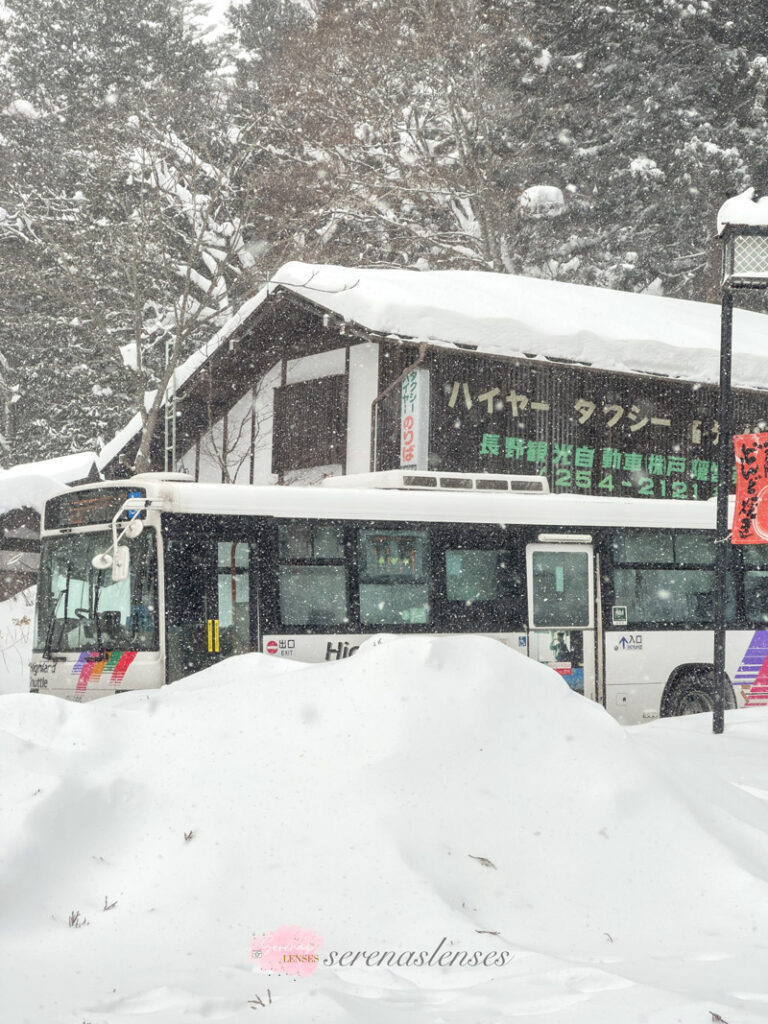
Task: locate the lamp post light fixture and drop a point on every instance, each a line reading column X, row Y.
column 742, row 225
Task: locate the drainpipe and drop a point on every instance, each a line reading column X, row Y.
column 380, row 398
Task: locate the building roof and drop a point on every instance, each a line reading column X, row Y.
column 30, row 484
column 507, row 315
column 502, row 314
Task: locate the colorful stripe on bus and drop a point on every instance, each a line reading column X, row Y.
column 752, row 673
column 91, row 665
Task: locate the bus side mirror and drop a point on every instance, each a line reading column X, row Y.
column 132, row 529
column 121, row 563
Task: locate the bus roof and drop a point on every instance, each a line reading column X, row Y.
column 410, row 506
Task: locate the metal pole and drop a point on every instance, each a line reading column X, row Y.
column 722, row 532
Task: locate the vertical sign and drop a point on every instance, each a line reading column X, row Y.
column 750, row 514
column 414, row 420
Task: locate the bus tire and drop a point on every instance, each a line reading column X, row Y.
column 692, row 693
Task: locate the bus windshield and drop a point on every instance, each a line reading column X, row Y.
column 83, row 608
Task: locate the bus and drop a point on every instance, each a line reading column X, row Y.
column 146, row 580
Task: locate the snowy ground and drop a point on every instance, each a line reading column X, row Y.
column 16, row 642
column 424, row 790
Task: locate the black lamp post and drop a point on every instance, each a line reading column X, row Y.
column 743, row 228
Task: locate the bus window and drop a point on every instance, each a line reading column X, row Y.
column 647, row 547
column 561, row 588
column 80, row 607
column 394, row 582
column 233, row 602
column 472, row 577
column 483, row 589
column 666, row 578
column 755, row 585
column 312, row 576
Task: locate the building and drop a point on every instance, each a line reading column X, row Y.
column 330, row 370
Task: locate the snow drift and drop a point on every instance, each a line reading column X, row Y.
column 426, row 789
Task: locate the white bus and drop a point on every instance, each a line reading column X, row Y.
column 148, row 580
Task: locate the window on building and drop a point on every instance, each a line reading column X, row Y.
column 310, row 424
column 312, row 575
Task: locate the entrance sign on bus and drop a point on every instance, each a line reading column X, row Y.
column 414, row 420
column 750, row 514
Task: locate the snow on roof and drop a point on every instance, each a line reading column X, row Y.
column 31, row 484
column 502, row 314
column 743, row 210
column 66, row 469
column 26, row 491
column 507, row 315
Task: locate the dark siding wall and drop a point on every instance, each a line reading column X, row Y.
column 310, row 427
column 588, row 431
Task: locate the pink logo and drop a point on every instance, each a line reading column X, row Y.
column 287, row 950
column 272, row 647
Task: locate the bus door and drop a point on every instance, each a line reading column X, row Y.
column 561, row 611
column 208, row 598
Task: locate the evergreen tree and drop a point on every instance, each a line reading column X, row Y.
column 108, row 203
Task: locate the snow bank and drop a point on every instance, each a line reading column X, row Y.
column 16, row 616
column 425, row 790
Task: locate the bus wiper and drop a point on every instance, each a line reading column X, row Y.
column 96, row 617
column 64, row 592
column 48, row 654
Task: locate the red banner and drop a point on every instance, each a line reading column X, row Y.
column 750, row 516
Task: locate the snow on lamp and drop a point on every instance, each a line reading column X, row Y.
column 742, row 224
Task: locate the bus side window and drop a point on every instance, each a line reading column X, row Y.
column 394, row 577
column 665, row 578
column 561, row 588
column 233, row 596
column 484, row 587
column 755, row 585
column 312, row 575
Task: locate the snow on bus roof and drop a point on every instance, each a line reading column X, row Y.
column 406, row 507
column 508, row 315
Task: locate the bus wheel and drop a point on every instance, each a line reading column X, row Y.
column 692, row 694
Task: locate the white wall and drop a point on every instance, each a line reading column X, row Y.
column 322, row 364
column 363, row 388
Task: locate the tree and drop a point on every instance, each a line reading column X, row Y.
column 70, row 58
column 104, row 203
column 146, row 267
column 392, row 138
